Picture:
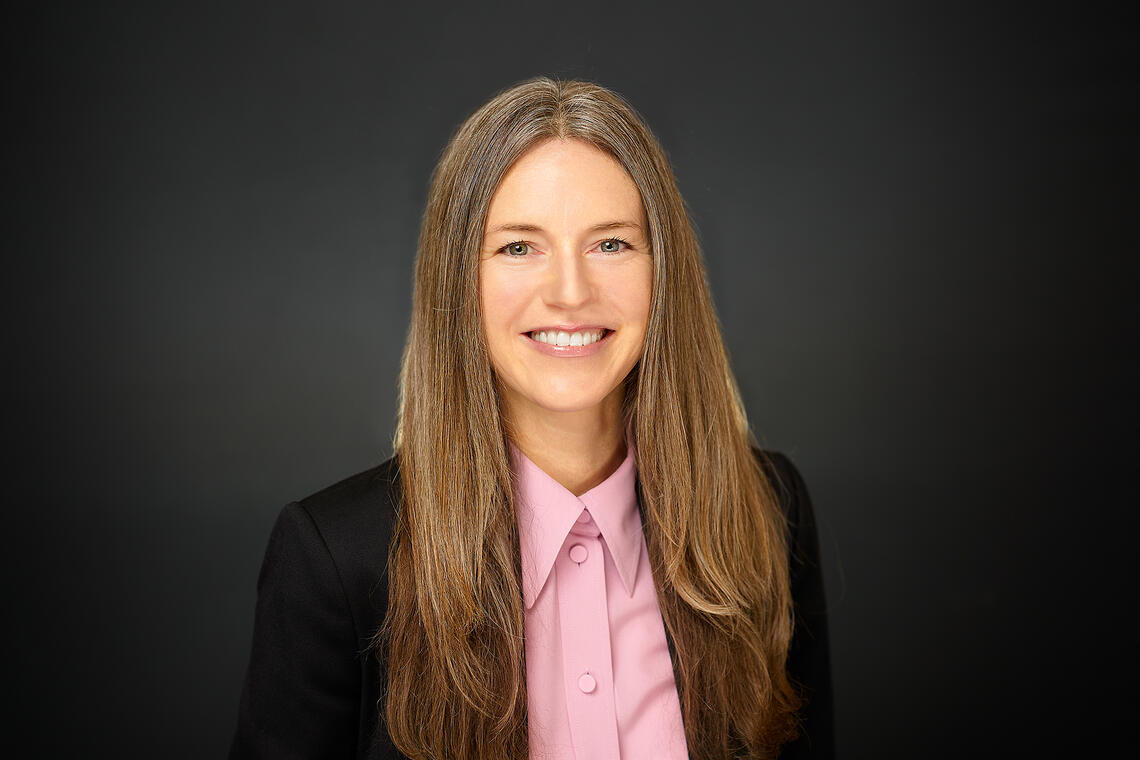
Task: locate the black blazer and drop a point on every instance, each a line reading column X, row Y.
column 312, row 686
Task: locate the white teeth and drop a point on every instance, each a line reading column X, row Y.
column 563, row 338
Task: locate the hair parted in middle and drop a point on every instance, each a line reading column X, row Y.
column 451, row 647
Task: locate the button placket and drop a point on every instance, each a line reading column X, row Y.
column 587, row 662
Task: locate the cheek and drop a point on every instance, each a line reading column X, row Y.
column 490, row 298
column 634, row 294
column 501, row 300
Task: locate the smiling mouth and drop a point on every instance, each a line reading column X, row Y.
column 562, row 338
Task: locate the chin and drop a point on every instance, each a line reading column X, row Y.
column 567, row 402
column 567, row 405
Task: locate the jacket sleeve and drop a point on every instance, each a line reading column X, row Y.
column 809, row 658
column 302, row 689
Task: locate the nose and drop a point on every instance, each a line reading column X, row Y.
column 568, row 281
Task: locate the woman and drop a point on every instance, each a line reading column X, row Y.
column 586, row 556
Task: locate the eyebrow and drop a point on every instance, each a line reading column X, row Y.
column 523, row 227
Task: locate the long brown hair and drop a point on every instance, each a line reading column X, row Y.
column 451, row 647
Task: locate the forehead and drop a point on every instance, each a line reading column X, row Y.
column 567, row 183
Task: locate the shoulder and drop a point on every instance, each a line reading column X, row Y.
column 787, row 484
column 796, row 506
column 353, row 520
column 354, row 508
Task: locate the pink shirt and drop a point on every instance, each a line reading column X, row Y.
column 599, row 679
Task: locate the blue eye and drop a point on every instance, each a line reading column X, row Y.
column 516, row 249
column 613, row 245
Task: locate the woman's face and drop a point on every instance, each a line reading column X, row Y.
column 565, row 278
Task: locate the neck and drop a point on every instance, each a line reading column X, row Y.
column 578, row 449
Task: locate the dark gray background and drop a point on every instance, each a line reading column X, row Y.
column 919, row 229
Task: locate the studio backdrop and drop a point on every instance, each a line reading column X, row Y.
column 911, row 216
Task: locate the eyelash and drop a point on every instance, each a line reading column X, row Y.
column 607, row 253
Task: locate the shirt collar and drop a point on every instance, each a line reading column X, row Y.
column 547, row 511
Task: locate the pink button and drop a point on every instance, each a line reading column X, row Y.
column 578, row 553
column 584, row 517
column 587, row 683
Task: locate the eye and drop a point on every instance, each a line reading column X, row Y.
column 516, row 249
column 613, row 245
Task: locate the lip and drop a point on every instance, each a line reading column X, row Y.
column 567, row 328
column 570, row 351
